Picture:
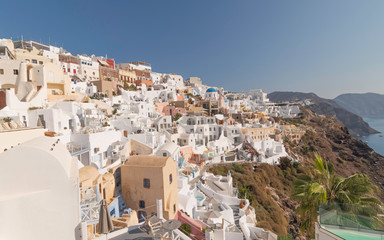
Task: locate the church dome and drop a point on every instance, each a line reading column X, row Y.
column 211, row 90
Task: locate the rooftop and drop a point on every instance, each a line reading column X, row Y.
column 88, row 172
column 146, row 161
column 141, row 63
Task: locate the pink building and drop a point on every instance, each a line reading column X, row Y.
column 196, row 225
column 191, row 157
column 172, row 111
column 186, row 152
column 160, row 106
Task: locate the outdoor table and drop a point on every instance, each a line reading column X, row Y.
column 171, row 225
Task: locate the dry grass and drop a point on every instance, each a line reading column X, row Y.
column 268, row 188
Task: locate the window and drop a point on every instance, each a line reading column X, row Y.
column 34, row 61
column 69, row 70
column 147, row 183
column 74, row 70
column 174, row 207
column 15, row 72
column 164, row 154
column 112, row 213
column 170, row 178
column 1, row 71
column 141, row 204
column 41, row 62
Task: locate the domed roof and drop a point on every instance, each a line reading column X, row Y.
column 211, row 90
column 88, row 172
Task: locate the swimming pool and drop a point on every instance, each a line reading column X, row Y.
column 199, row 198
column 354, row 235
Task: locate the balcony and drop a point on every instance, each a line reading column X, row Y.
column 77, row 149
column 90, row 204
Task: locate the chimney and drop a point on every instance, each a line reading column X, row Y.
column 159, row 207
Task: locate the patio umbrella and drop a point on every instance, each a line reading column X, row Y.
column 105, row 221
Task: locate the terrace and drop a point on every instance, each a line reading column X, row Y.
column 349, row 222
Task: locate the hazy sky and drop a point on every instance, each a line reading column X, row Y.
column 326, row 47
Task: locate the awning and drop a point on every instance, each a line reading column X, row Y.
column 104, row 63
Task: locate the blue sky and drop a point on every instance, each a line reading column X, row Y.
column 326, row 47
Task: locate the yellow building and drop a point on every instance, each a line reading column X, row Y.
column 89, row 176
column 33, row 56
column 147, row 178
column 57, row 82
column 259, row 134
column 127, row 76
column 293, row 133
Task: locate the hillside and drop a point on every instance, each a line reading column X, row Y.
column 332, row 140
column 269, row 187
column 366, row 104
column 355, row 124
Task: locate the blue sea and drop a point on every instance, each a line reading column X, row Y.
column 375, row 141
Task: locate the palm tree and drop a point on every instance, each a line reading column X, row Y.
column 353, row 194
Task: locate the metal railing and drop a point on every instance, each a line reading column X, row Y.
column 76, row 149
column 90, row 204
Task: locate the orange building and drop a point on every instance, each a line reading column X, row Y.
column 147, row 178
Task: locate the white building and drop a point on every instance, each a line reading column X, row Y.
column 173, row 79
column 259, row 96
column 211, row 94
column 98, row 149
column 169, row 149
column 89, row 68
column 163, row 123
column 142, row 66
column 39, row 192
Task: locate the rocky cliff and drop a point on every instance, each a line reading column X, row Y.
column 355, row 124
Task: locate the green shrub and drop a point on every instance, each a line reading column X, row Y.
column 7, row 119
column 285, row 237
column 176, row 117
column 285, row 163
column 186, row 228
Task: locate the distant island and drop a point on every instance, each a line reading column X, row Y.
column 362, row 104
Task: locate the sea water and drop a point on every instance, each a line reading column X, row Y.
column 375, row 141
